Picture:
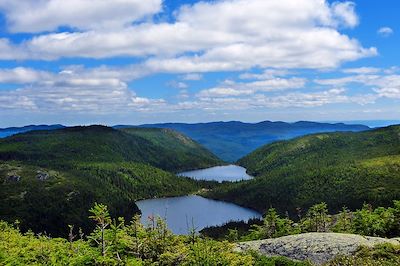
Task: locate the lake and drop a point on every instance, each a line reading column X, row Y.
column 179, row 212
column 219, row 173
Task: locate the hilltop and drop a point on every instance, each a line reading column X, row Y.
column 341, row 169
column 75, row 145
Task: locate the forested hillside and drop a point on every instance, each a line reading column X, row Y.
column 341, row 169
column 233, row 140
column 75, row 145
column 49, row 179
column 176, row 151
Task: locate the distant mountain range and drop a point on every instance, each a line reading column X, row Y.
column 232, row 140
column 229, row 140
column 5, row 132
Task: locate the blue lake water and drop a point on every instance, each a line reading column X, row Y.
column 219, row 173
column 181, row 212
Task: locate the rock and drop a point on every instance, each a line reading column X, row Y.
column 42, row 176
column 318, row 248
column 13, row 178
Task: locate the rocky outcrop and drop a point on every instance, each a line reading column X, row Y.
column 42, row 176
column 13, row 178
column 318, row 248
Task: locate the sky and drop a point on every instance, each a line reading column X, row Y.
column 134, row 61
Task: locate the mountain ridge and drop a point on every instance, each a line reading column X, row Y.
column 234, row 139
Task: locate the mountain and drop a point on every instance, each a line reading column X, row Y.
column 341, row 169
column 233, row 140
column 75, row 145
column 6, row 132
column 49, row 179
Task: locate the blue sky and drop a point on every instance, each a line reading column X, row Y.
column 133, row 61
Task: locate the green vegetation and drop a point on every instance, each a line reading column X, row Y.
column 341, row 169
column 49, row 179
column 160, row 148
column 379, row 222
column 64, row 198
column 119, row 242
column 380, row 255
column 116, row 242
column 176, row 151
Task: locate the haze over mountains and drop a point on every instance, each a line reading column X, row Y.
column 232, row 140
column 5, row 132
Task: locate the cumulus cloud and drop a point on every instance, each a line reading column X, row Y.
column 192, row 77
column 385, row 31
column 385, row 84
column 70, row 90
column 266, row 74
column 177, row 84
column 48, row 15
column 262, row 101
column 345, row 14
column 21, row 75
column 206, row 36
column 361, row 70
column 231, row 88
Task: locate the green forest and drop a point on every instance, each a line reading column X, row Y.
column 341, row 169
column 51, row 178
column 366, row 221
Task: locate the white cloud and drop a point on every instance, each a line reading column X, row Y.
column 389, row 92
column 267, row 74
column 21, row 75
column 192, row 77
column 231, row 101
column 231, row 88
column 362, row 70
column 177, row 84
column 8, row 51
column 385, row 31
column 71, row 90
column 48, row 15
column 385, row 84
column 223, row 92
column 345, row 14
column 219, row 35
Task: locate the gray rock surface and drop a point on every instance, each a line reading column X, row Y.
column 13, row 178
column 42, row 176
column 318, row 248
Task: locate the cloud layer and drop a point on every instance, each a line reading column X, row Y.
column 207, row 36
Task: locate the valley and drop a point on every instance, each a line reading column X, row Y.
column 53, row 177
